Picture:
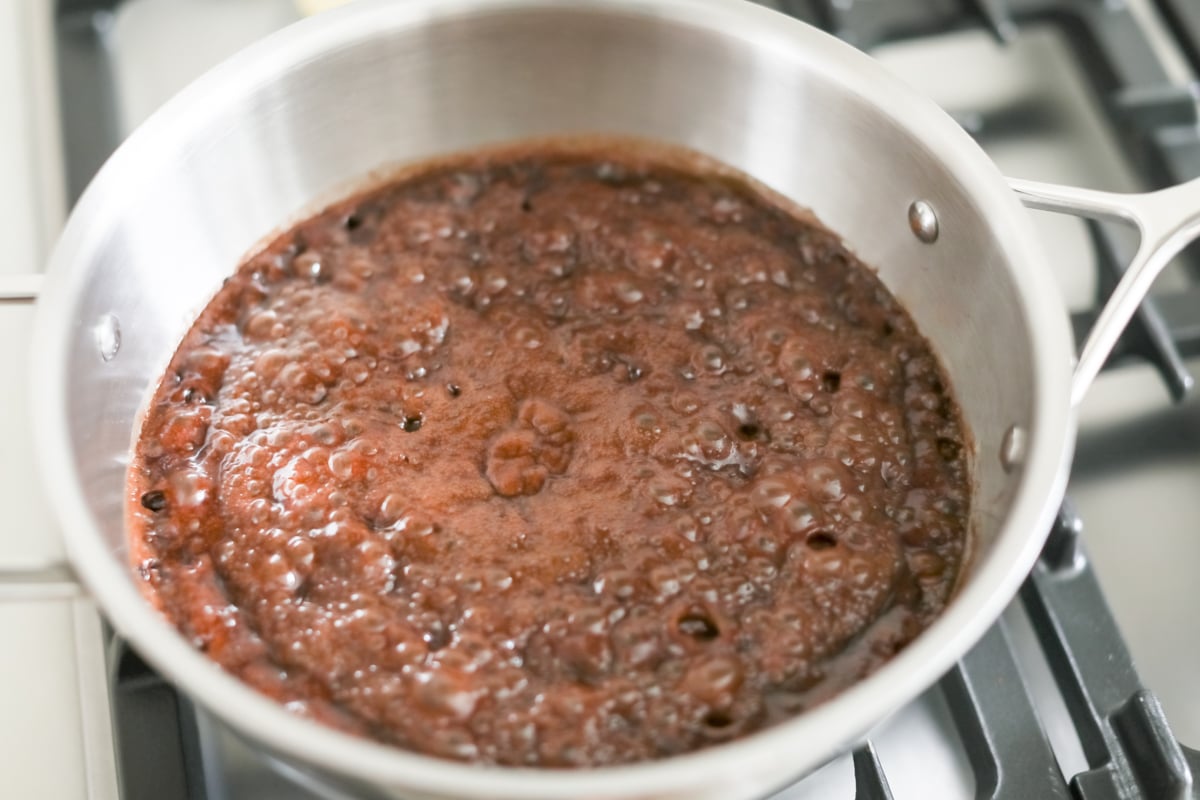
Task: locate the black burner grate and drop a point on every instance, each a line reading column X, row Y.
column 1121, row 726
column 1125, row 736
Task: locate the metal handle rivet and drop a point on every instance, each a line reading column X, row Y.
column 923, row 221
column 108, row 336
column 1012, row 448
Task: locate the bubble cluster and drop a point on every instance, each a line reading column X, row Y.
column 553, row 460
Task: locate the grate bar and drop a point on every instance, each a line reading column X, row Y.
column 999, row 19
column 143, row 707
column 1008, row 750
column 88, row 99
column 1124, row 733
column 870, row 783
column 866, row 23
column 1183, row 16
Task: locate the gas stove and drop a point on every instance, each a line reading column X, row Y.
column 1049, row 704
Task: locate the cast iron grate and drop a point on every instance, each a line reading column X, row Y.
column 1130, row 751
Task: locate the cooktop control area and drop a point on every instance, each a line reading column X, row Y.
column 1087, row 688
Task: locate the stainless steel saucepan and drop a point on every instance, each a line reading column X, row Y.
column 307, row 113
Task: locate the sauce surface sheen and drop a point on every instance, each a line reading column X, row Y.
column 553, row 459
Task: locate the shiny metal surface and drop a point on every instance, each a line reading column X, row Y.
column 1012, row 448
column 306, row 114
column 1167, row 221
column 923, row 221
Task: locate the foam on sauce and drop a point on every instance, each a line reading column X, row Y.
column 552, row 458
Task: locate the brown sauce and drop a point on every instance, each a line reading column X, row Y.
column 552, row 458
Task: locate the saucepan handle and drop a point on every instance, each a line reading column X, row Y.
column 1166, row 220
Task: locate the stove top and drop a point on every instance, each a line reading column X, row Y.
column 1049, row 704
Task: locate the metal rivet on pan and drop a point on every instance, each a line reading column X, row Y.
column 1012, row 448
column 108, row 336
column 923, row 221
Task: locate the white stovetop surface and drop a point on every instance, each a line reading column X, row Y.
column 1142, row 516
column 51, row 667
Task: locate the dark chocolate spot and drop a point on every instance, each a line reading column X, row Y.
column 948, row 448
column 437, row 638
column 820, row 540
column 718, row 719
column 154, row 500
column 699, row 625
